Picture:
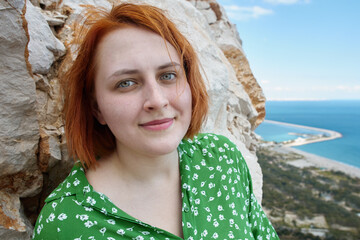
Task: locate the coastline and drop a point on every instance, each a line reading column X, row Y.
column 302, row 141
column 314, row 160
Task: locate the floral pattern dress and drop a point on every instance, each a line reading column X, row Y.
column 217, row 201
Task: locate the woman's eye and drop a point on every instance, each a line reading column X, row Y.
column 167, row 76
column 125, row 84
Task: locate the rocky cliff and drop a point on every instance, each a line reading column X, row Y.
column 33, row 39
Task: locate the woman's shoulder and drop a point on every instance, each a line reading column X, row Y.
column 209, row 140
column 62, row 206
column 209, row 146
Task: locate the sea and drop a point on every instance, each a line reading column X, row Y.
column 342, row 116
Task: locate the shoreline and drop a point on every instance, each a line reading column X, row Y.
column 310, row 159
column 302, row 141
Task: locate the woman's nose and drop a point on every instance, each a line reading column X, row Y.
column 155, row 97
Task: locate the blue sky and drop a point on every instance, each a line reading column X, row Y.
column 301, row 49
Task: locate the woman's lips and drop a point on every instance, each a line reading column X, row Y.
column 158, row 125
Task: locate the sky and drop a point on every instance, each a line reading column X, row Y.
column 301, row 49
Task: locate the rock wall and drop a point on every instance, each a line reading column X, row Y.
column 33, row 37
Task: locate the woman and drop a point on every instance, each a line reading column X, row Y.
column 134, row 104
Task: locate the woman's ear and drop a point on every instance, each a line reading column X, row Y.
column 97, row 113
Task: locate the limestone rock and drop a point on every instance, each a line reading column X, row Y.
column 44, row 47
column 13, row 224
column 228, row 39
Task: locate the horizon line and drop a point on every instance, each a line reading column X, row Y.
column 302, row 99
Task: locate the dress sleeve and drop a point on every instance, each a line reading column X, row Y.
column 46, row 226
column 261, row 227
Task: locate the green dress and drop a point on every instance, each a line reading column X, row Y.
column 217, row 201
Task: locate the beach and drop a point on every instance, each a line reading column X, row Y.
column 312, row 160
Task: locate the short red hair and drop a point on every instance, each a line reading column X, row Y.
column 86, row 137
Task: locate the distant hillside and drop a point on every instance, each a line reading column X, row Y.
column 309, row 203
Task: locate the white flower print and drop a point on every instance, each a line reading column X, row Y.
column 145, row 233
column 220, row 208
column 111, row 238
column 40, row 227
column 79, row 238
column 204, row 233
column 86, row 189
column 204, row 151
column 197, row 201
column 62, row 216
column 52, row 195
column 114, row 210
column 196, row 212
column 216, row 224
column 120, row 232
column 103, row 210
column 73, row 172
column 91, row 201
column 221, row 217
column 76, row 182
column 68, row 185
column 139, row 238
column 231, row 235
column 215, row 235
column 89, row 224
column 50, row 218
column 82, row 217
column 88, row 209
column 211, row 185
column 111, row 221
column 102, row 231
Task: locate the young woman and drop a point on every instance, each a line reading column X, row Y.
column 134, row 104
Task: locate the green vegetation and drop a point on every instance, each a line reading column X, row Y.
column 309, row 193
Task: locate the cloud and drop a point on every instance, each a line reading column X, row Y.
column 245, row 13
column 288, row 2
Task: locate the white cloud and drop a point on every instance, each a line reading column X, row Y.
column 245, row 13
column 288, row 2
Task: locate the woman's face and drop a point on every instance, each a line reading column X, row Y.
column 141, row 91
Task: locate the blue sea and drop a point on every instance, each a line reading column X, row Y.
column 342, row 116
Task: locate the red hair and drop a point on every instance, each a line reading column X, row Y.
column 86, row 137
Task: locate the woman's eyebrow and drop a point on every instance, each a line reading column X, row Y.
column 135, row 71
column 170, row 64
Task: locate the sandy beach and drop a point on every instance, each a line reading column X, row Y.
column 318, row 161
column 330, row 135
